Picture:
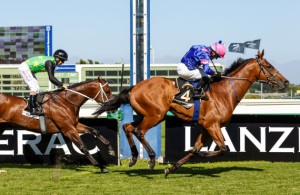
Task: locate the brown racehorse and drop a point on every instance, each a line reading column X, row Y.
column 61, row 108
column 151, row 99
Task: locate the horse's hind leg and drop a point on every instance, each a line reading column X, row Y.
column 128, row 129
column 140, row 132
column 86, row 129
column 139, row 129
column 141, row 137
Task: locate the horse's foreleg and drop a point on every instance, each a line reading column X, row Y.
column 201, row 140
column 222, row 150
column 81, row 127
column 217, row 136
column 128, row 128
column 85, row 151
column 111, row 151
column 75, row 138
column 178, row 164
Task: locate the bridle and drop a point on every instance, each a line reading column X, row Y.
column 263, row 69
column 270, row 80
column 103, row 94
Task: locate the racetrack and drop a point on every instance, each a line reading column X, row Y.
column 251, row 177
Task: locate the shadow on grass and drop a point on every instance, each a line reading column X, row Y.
column 24, row 166
column 146, row 173
column 186, row 171
column 41, row 166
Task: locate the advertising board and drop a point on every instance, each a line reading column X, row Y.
column 248, row 137
column 21, row 146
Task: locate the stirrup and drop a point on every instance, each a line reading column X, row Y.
column 198, row 94
column 35, row 111
column 205, row 98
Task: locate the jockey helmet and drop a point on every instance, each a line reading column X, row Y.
column 61, row 54
column 219, row 48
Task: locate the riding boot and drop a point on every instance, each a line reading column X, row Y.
column 199, row 92
column 33, row 107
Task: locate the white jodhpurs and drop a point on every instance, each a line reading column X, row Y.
column 187, row 74
column 29, row 78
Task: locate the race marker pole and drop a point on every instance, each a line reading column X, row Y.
column 139, row 43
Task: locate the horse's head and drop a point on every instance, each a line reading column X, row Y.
column 268, row 74
column 104, row 93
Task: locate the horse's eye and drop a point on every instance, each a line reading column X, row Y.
column 269, row 66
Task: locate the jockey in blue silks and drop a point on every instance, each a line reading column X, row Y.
column 195, row 65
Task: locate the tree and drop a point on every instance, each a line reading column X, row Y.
column 81, row 61
column 89, row 61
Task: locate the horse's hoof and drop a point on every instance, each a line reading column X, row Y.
column 151, row 165
column 203, row 154
column 132, row 162
column 167, row 172
column 112, row 153
column 104, row 170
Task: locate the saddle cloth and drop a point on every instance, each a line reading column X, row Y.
column 185, row 95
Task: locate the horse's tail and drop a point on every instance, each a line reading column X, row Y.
column 115, row 102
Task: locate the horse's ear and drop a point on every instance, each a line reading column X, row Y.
column 100, row 78
column 260, row 55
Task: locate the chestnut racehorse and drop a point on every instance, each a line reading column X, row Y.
column 61, row 108
column 151, row 99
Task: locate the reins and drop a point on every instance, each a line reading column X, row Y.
column 70, row 90
column 101, row 90
column 262, row 69
column 235, row 78
column 227, row 77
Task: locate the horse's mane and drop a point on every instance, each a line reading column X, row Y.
column 69, row 87
column 77, row 84
column 235, row 65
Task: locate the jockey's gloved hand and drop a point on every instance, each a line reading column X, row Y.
column 218, row 74
column 217, row 77
column 64, row 86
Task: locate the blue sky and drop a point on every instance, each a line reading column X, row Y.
column 99, row 30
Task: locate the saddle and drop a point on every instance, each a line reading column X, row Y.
column 39, row 101
column 185, row 96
